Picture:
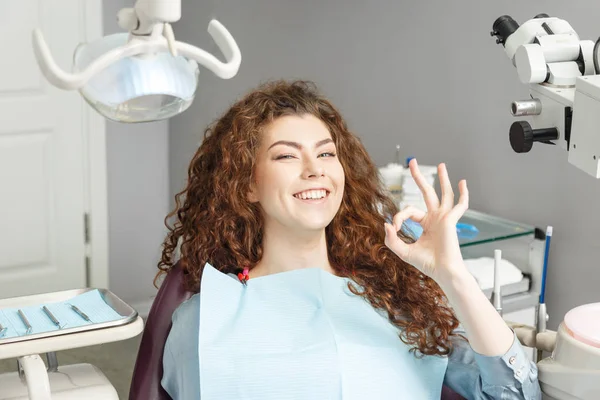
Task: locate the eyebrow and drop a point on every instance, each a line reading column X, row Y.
column 298, row 145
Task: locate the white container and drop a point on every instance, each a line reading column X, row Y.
column 411, row 193
column 392, row 176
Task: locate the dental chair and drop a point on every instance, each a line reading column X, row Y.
column 148, row 370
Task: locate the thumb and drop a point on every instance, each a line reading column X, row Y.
column 394, row 243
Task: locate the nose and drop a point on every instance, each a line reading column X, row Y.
column 313, row 169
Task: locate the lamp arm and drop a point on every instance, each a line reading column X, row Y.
column 71, row 81
column 226, row 44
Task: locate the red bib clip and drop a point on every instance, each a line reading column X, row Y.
column 243, row 276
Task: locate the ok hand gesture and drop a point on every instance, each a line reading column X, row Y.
column 436, row 253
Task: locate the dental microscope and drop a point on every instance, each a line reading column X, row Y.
column 563, row 74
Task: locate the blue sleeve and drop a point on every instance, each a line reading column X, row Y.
column 510, row 376
column 181, row 368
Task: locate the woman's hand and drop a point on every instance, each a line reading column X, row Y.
column 436, row 253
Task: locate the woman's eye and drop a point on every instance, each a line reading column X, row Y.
column 329, row 154
column 284, row 157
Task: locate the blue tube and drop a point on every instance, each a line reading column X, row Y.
column 545, row 270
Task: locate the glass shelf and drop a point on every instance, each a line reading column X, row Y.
column 491, row 228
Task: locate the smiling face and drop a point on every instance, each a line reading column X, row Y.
column 299, row 181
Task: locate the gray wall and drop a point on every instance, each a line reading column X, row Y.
column 426, row 75
column 138, row 200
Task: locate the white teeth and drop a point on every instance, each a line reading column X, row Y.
column 311, row 194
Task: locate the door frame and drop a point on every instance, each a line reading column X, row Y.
column 96, row 193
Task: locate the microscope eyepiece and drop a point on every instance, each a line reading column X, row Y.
column 503, row 27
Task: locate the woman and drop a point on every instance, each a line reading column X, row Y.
column 308, row 288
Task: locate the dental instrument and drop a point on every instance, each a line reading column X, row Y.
column 51, row 316
column 80, row 313
column 563, row 75
column 497, row 293
column 545, row 269
column 392, row 176
column 542, row 315
column 25, row 321
column 145, row 74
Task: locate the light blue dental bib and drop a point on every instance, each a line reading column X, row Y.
column 303, row 335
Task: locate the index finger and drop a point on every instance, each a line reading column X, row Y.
column 431, row 200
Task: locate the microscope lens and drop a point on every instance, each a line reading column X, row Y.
column 504, row 26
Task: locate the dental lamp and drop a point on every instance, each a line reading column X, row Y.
column 143, row 75
column 563, row 75
column 562, row 72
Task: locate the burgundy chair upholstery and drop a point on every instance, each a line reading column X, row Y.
column 148, row 370
column 449, row 394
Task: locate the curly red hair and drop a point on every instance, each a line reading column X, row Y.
column 216, row 223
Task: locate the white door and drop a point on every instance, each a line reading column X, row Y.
column 42, row 247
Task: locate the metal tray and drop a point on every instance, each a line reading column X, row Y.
column 522, row 286
column 125, row 310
